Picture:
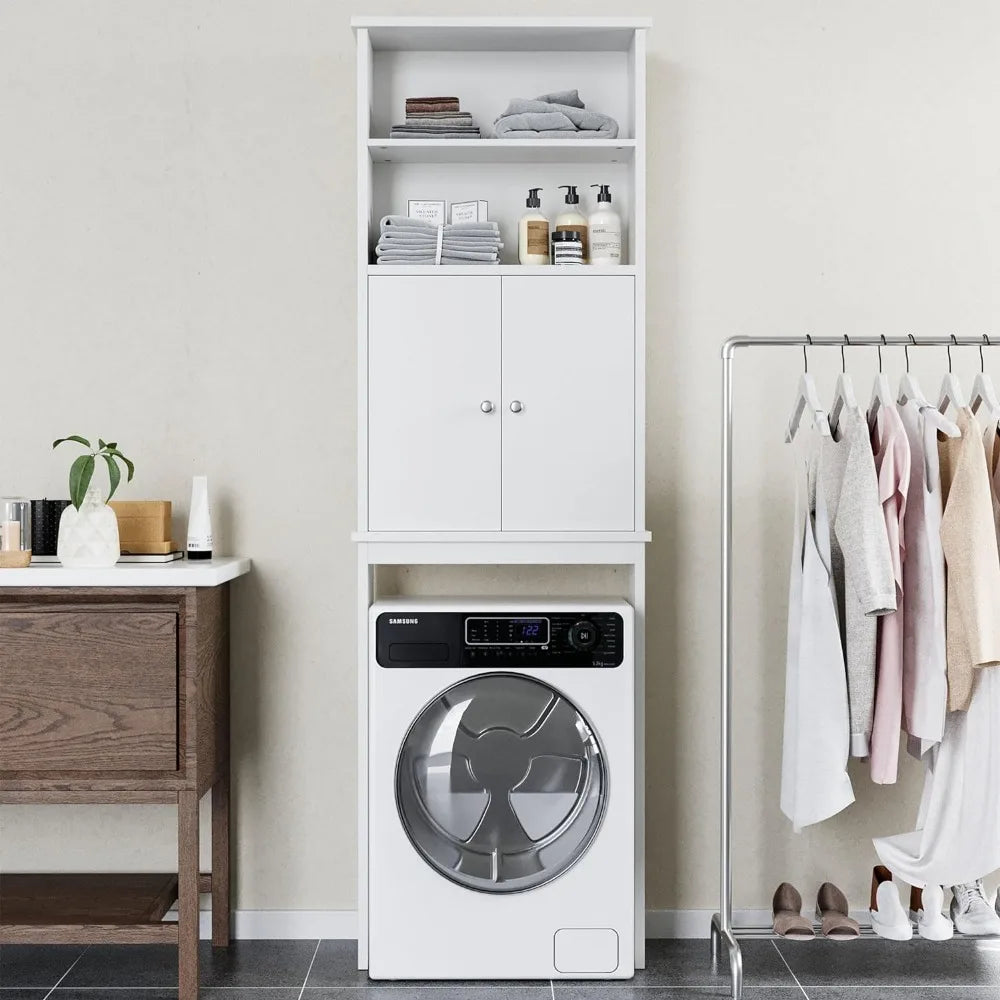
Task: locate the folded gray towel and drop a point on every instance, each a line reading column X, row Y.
column 398, row 222
column 541, row 117
column 431, row 261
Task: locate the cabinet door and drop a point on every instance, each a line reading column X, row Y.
column 569, row 365
column 433, row 365
column 88, row 691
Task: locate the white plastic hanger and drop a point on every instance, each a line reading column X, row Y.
column 843, row 396
column 909, row 390
column 882, row 392
column 951, row 390
column 807, row 399
column 983, row 393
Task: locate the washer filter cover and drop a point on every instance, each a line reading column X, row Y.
column 501, row 784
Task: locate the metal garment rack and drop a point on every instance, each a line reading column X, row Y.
column 722, row 922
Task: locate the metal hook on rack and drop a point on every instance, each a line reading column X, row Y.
column 906, row 350
column 805, row 357
column 954, row 340
column 982, row 363
column 843, row 360
column 880, row 346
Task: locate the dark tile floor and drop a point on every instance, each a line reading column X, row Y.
column 325, row 970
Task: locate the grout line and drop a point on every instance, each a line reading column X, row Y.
column 67, row 972
column 309, row 970
column 787, row 966
column 552, row 989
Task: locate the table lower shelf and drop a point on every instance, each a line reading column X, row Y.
column 87, row 908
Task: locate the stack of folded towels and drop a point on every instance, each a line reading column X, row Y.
column 435, row 118
column 554, row 116
column 410, row 241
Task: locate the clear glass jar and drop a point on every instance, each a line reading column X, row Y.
column 15, row 532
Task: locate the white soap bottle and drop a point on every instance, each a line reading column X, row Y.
column 533, row 232
column 605, row 231
column 572, row 218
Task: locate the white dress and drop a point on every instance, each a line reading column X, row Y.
column 816, row 744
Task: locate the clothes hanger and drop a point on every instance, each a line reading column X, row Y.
column 983, row 393
column 807, row 398
column 882, row 392
column 951, row 390
column 909, row 390
column 843, row 396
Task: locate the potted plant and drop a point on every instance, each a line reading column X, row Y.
column 88, row 528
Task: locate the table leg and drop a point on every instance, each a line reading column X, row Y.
column 187, row 894
column 220, row 862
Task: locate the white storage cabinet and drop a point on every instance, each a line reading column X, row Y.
column 501, row 403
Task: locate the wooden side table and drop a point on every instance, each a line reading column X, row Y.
column 119, row 694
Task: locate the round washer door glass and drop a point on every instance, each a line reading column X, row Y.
column 501, row 783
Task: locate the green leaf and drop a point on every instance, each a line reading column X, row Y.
column 72, row 437
column 101, row 444
column 128, row 464
column 111, row 445
column 114, row 475
column 80, row 474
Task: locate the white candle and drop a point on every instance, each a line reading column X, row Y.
column 10, row 536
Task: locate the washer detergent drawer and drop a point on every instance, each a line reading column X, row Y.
column 586, row 950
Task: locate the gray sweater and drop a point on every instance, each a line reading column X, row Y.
column 862, row 563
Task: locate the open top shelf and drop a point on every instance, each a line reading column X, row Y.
column 494, row 269
column 502, row 150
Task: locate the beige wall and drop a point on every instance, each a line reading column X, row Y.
column 176, row 270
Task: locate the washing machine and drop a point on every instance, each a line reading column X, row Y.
column 501, row 789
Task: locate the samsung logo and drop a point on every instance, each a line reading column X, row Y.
column 404, row 621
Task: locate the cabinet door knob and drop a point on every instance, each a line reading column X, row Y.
column 516, row 406
column 486, row 406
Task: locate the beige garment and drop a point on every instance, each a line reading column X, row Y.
column 969, row 539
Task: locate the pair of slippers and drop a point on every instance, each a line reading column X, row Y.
column 832, row 912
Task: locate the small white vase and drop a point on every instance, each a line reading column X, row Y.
column 88, row 537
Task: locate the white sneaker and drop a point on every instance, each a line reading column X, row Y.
column 925, row 910
column 889, row 919
column 971, row 913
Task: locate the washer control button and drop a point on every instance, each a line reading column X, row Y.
column 583, row 635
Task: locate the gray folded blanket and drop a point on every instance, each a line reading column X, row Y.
column 550, row 118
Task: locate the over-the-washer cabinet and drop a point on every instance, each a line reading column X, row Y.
column 501, row 421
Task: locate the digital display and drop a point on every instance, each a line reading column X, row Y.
column 507, row 631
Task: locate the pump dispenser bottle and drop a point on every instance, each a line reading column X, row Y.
column 571, row 218
column 605, row 231
column 533, row 232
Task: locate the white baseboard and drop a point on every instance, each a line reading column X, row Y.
column 337, row 924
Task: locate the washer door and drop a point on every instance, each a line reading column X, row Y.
column 501, row 783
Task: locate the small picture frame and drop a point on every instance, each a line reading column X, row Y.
column 427, row 211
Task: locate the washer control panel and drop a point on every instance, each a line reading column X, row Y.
column 456, row 639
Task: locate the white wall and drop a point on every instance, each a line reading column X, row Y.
column 176, row 237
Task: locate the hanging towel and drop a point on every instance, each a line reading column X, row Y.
column 925, row 681
column 815, row 745
column 892, row 465
column 862, row 565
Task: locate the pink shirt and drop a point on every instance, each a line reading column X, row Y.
column 892, row 464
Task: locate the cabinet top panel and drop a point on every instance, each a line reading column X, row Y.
column 207, row 573
column 524, row 34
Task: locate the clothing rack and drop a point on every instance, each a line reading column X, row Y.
column 722, row 922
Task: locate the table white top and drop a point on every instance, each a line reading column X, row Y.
column 182, row 573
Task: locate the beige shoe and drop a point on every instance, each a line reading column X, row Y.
column 834, row 914
column 788, row 920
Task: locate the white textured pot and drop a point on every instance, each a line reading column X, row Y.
column 88, row 537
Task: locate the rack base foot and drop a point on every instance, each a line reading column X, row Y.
column 721, row 934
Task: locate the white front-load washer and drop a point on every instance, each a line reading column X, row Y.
column 501, row 789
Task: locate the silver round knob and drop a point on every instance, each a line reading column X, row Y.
column 516, row 406
column 486, row 406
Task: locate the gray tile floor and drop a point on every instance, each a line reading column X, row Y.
column 325, row 970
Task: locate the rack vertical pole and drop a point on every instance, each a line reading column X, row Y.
column 722, row 922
